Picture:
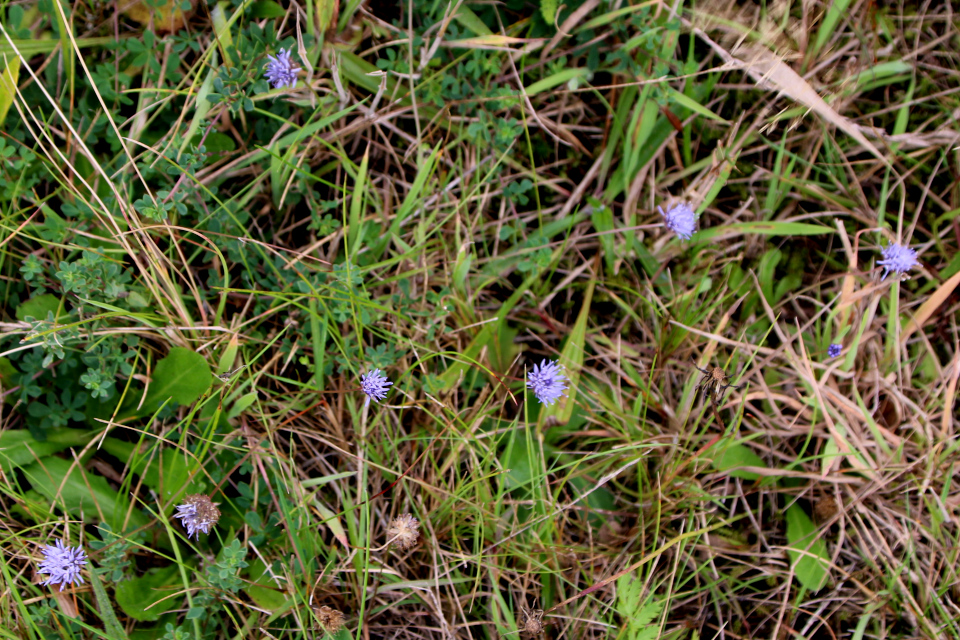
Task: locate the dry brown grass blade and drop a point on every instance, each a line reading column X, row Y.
column 767, row 70
column 770, row 72
column 929, row 306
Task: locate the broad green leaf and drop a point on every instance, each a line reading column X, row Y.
column 182, row 376
column 19, row 448
column 734, row 456
column 264, row 591
column 548, row 9
column 38, row 306
column 8, row 85
column 80, row 493
column 467, row 18
column 145, row 598
column 267, row 9
column 808, row 553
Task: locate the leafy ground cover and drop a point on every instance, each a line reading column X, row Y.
column 199, row 266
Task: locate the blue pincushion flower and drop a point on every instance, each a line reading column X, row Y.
column 197, row 513
column 897, row 258
column 680, row 219
column 834, row 350
column 280, row 70
column 374, row 384
column 62, row 564
column 547, row 382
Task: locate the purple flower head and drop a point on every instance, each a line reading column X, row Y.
column 280, row 70
column 547, row 382
column 834, row 350
column 197, row 513
column 897, row 258
column 63, row 564
column 681, row 220
column 374, row 384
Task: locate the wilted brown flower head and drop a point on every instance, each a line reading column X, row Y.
column 330, row 619
column 197, row 513
column 404, row 530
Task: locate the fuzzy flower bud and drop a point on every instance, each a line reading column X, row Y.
column 680, row 219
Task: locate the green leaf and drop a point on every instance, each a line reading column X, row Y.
column 572, row 360
column 548, row 9
column 808, row 553
column 267, row 9
column 264, row 591
column 734, row 456
column 38, row 306
column 182, row 376
column 603, row 222
column 140, row 598
column 112, row 627
column 555, row 80
column 66, row 485
column 686, row 101
column 19, row 448
column 727, row 231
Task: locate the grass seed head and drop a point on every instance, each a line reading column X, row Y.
column 404, row 530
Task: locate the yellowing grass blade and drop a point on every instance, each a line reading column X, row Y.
column 927, row 308
column 8, row 85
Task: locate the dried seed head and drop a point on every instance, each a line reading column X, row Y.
column 197, row 513
column 404, row 530
column 330, row 619
column 826, row 508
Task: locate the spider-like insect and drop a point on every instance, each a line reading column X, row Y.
column 532, row 622
column 713, row 382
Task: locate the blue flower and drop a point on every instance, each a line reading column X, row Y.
column 280, row 70
column 197, row 513
column 681, row 220
column 834, row 350
column 547, row 382
column 63, row 564
column 897, row 258
column 374, row 384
